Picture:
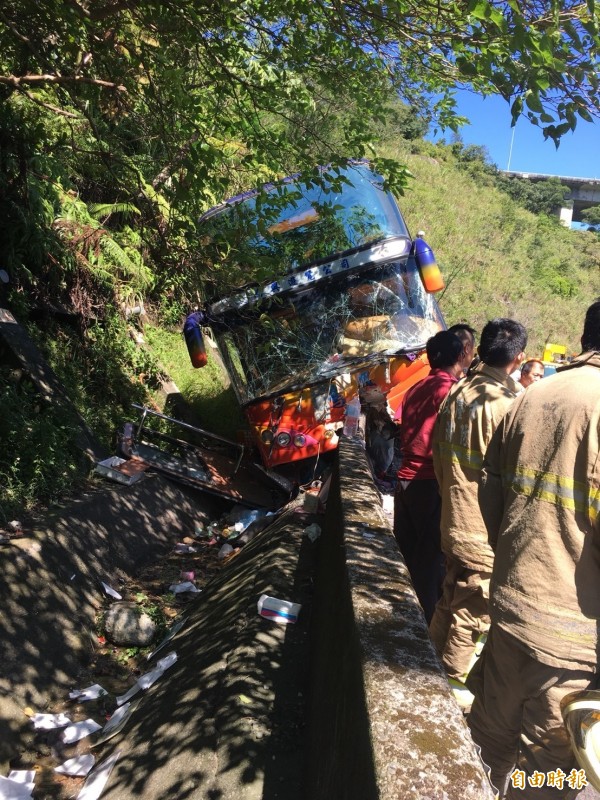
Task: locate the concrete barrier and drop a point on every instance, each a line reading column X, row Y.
column 383, row 722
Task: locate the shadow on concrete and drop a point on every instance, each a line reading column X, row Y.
column 227, row 721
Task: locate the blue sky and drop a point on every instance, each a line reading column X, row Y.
column 577, row 156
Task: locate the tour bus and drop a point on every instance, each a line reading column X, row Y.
column 348, row 303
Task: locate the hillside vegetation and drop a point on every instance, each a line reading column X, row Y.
column 499, row 259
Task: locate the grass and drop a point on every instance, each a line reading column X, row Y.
column 207, row 390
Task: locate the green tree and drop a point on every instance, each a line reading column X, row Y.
column 539, row 197
column 170, row 105
column 591, row 216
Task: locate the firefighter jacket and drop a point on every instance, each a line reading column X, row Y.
column 466, row 421
column 540, row 496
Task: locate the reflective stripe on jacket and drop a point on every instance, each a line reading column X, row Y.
column 540, row 496
column 464, row 426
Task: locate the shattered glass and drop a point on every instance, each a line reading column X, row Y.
column 315, row 333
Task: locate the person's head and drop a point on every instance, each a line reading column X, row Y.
column 444, row 350
column 502, row 344
column 590, row 339
column 466, row 334
column 532, row 370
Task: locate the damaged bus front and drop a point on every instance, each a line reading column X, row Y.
column 349, row 304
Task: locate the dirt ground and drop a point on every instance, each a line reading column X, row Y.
column 116, row 668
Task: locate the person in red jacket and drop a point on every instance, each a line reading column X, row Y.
column 417, row 502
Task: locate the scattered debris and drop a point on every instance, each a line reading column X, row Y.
column 146, row 680
column 48, row 722
column 311, row 498
column 278, row 610
column 194, row 560
column 175, row 628
column 79, row 730
column 91, row 693
column 18, row 786
column 198, row 458
column 118, row 719
column 184, row 549
column 185, row 586
column 225, row 551
column 110, row 591
column 120, row 470
column 313, row 532
column 78, row 767
column 96, row 781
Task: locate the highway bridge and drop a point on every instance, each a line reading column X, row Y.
column 583, row 193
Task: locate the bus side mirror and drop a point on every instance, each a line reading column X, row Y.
column 428, row 269
column 194, row 340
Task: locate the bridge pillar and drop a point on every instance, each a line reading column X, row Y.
column 566, row 214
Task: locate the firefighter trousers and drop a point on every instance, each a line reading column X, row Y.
column 460, row 617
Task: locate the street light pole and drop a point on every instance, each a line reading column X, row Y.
column 512, row 141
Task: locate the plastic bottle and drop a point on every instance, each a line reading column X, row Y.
column 352, row 417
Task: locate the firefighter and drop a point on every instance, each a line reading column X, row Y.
column 540, row 500
column 464, row 426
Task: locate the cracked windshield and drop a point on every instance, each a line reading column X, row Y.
column 314, row 334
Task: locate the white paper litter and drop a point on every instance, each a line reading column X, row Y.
column 131, row 692
column 97, row 780
column 26, row 777
column 92, row 692
column 78, row 766
column 118, row 716
column 146, row 680
column 313, row 532
column 175, row 628
column 47, row 722
column 14, row 790
column 110, row 591
column 184, row 586
column 79, row 730
column 225, row 550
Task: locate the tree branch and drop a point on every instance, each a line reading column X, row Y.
column 49, row 106
column 17, row 82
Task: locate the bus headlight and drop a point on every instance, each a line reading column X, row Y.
column 267, row 437
column 299, row 440
column 283, row 439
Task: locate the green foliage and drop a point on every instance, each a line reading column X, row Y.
column 206, row 390
column 591, row 215
column 104, row 372
column 144, row 115
column 499, row 259
column 39, row 459
column 539, row 197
